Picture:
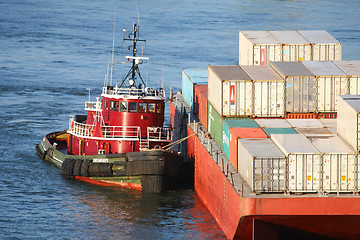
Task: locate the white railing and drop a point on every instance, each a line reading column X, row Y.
column 129, row 133
column 160, row 134
column 134, row 91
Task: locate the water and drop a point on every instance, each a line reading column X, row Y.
column 51, row 51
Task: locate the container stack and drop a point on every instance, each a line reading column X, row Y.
column 352, row 70
column 263, row 47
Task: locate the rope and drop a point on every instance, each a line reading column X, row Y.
column 171, row 145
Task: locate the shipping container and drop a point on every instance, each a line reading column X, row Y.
column 349, row 119
column 324, row 47
column 215, row 124
column 190, row 77
column 294, row 46
column 272, row 123
column 352, row 70
column 230, row 91
column 300, row 116
column 304, row 162
column 240, row 133
column 234, row 123
column 330, row 83
column 270, row 131
column 300, row 86
column 309, row 130
column 339, row 171
column 201, row 103
column 330, row 124
column 262, row 165
column 258, row 48
column 268, row 91
column 305, row 123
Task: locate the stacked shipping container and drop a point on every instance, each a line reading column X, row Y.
column 191, row 77
column 263, row 47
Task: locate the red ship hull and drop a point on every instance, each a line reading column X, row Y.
column 271, row 216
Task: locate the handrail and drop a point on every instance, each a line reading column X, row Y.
column 132, row 133
column 134, row 91
column 160, row 133
column 93, row 106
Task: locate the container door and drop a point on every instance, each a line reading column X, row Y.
column 226, row 98
column 354, row 85
column 257, row 55
column 286, row 53
column 347, row 172
column 328, row 173
column 295, row 172
column 312, row 165
column 338, row 52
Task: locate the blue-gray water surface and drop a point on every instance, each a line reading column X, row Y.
column 52, row 51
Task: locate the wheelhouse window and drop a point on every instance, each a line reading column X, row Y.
column 111, row 105
column 151, row 107
column 158, row 108
column 142, row 107
column 123, row 106
column 116, row 106
column 132, row 107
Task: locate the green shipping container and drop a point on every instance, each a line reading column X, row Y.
column 234, row 123
column 215, row 125
column 270, row 131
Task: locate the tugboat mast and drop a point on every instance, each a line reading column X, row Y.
column 135, row 60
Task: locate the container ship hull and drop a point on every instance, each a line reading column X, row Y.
column 242, row 214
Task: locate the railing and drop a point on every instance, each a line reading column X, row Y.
column 134, row 91
column 129, row 133
column 160, row 134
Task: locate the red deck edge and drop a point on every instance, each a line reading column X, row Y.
column 134, row 186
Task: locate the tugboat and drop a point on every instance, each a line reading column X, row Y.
column 121, row 141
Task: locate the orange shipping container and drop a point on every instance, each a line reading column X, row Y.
column 201, row 103
column 235, row 134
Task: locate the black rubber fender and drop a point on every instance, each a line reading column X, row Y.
column 77, row 167
column 70, row 167
column 84, row 169
column 64, row 166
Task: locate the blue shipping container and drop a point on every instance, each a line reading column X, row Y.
column 190, row 77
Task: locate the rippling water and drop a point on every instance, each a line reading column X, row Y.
column 51, row 51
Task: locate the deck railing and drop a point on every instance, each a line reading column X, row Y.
column 109, row 132
column 159, row 134
column 134, row 91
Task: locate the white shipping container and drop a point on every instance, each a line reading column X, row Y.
column 262, row 165
column 294, row 46
column 268, row 92
column 230, row 91
column 352, row 70
column 300, row 86
column 339, row 173
column 330, row 83
column 348, row 120
column 273, row 123
column 304, row 162
column 305, row 123
column 324, row 47
column 258, row 48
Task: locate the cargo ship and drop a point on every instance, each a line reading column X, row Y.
column 121, row 141
column 275, row 139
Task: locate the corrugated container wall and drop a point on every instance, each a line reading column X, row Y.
column 268, row 91
column 338, row 163
column 201, row 103
column 349, row 119
column 324, row 47
column 304, row 162
column 330, row 83
column 262, row 165
column 258, row 48
column 190, row 77
column 214, row 124
column 352, row 70
column 234, row 123
column 230, row 91
column 294, row 46
column 300, row 86
column 240, row 133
